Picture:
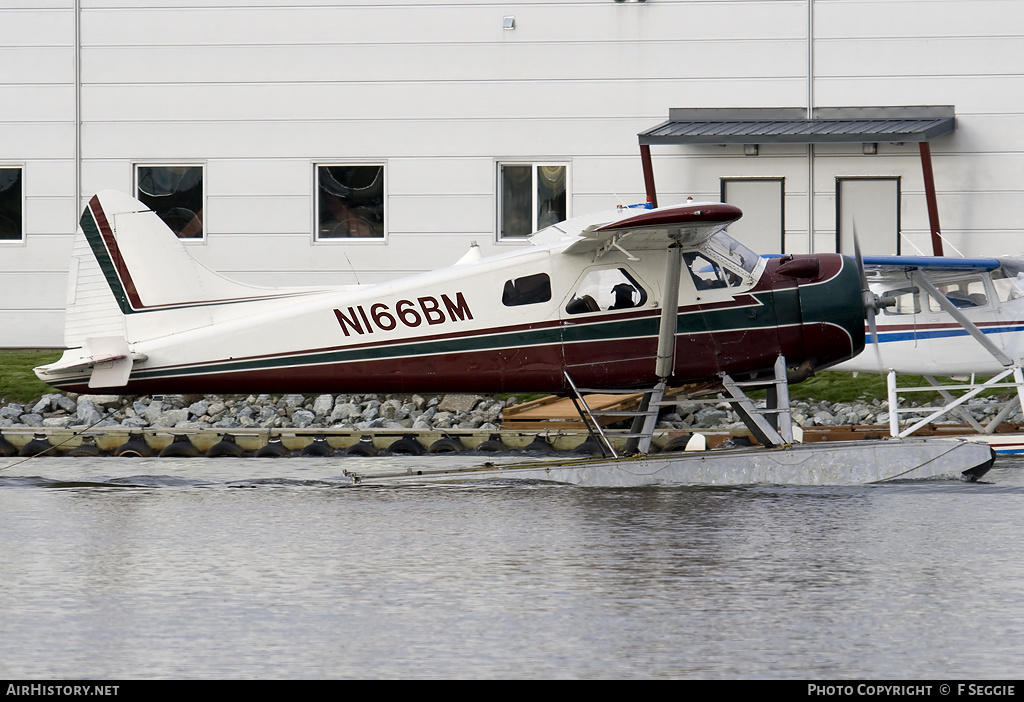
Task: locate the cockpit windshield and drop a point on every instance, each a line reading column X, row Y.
column 1008, row 279
column 733, row 251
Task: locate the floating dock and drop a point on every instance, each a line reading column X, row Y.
column 563, row 440
column 839, row 463
column 546, row 458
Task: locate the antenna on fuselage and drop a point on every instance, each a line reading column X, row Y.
column 471, row 256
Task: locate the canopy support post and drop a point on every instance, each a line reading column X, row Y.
column 929, row 195
column 645, row 160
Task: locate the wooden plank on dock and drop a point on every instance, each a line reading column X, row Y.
column 553, row 411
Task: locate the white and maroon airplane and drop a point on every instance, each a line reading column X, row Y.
column 625, row 298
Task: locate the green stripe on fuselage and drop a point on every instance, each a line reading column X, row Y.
column 582, row 332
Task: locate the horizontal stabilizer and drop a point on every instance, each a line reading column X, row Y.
column 112, row 359
column 109, row 357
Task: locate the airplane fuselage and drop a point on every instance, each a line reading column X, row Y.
column 511, row 323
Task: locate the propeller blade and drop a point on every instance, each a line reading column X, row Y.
column 868, row 297
column 860, row 260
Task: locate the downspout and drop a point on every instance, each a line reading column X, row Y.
column 810, row 115
column 78, row 114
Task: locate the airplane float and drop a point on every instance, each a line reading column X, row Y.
column 623, row 299
column 952, row 317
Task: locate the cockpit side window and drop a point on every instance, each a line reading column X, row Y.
column 608, row 289
column 902, row 301
column 708, row 274
column 965, row 294
column 528, row 290
column 735, row 252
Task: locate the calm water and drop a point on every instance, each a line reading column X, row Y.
column 232, row 568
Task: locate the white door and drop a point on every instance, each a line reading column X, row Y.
column 762, row 227
column 872, row 207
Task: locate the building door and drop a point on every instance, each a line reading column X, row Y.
column 872, row 206
column 763, row 225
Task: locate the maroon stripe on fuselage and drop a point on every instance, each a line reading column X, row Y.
column 603, row 363
column 537, row 368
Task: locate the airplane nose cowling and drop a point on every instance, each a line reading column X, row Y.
column 832, row 311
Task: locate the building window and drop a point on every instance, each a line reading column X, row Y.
column 531, row 196
column 350, row 202
column 10, row 204
column 175, row 193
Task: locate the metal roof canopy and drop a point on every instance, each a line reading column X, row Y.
column 791, row 125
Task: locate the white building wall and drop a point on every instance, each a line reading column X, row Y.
column 37, row 134
column 260, row 91
column 940, row 52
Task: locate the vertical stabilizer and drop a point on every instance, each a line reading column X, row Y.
column 132, row 277
column 91, row 308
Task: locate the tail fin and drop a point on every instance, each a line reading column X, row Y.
column 145, row 267
column 131, row 279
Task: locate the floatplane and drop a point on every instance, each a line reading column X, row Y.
column 944, row 316
column 627, row 299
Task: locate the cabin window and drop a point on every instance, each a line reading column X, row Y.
column 964, row 294
column 350, row 202
column 11, row 208
column 175, row 193
column 905, row 301
column 707, row 274
column 528, row 290
column 531, row 196
column 609, row 289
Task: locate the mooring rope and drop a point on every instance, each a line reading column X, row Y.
column 50, row 448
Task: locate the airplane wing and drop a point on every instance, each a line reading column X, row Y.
column 687, row 225
column 881, row 265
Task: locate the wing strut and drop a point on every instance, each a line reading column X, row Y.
column 644, row 424
column 968, row 325
column 669, row 314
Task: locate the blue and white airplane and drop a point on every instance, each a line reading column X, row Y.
column 947, row 316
